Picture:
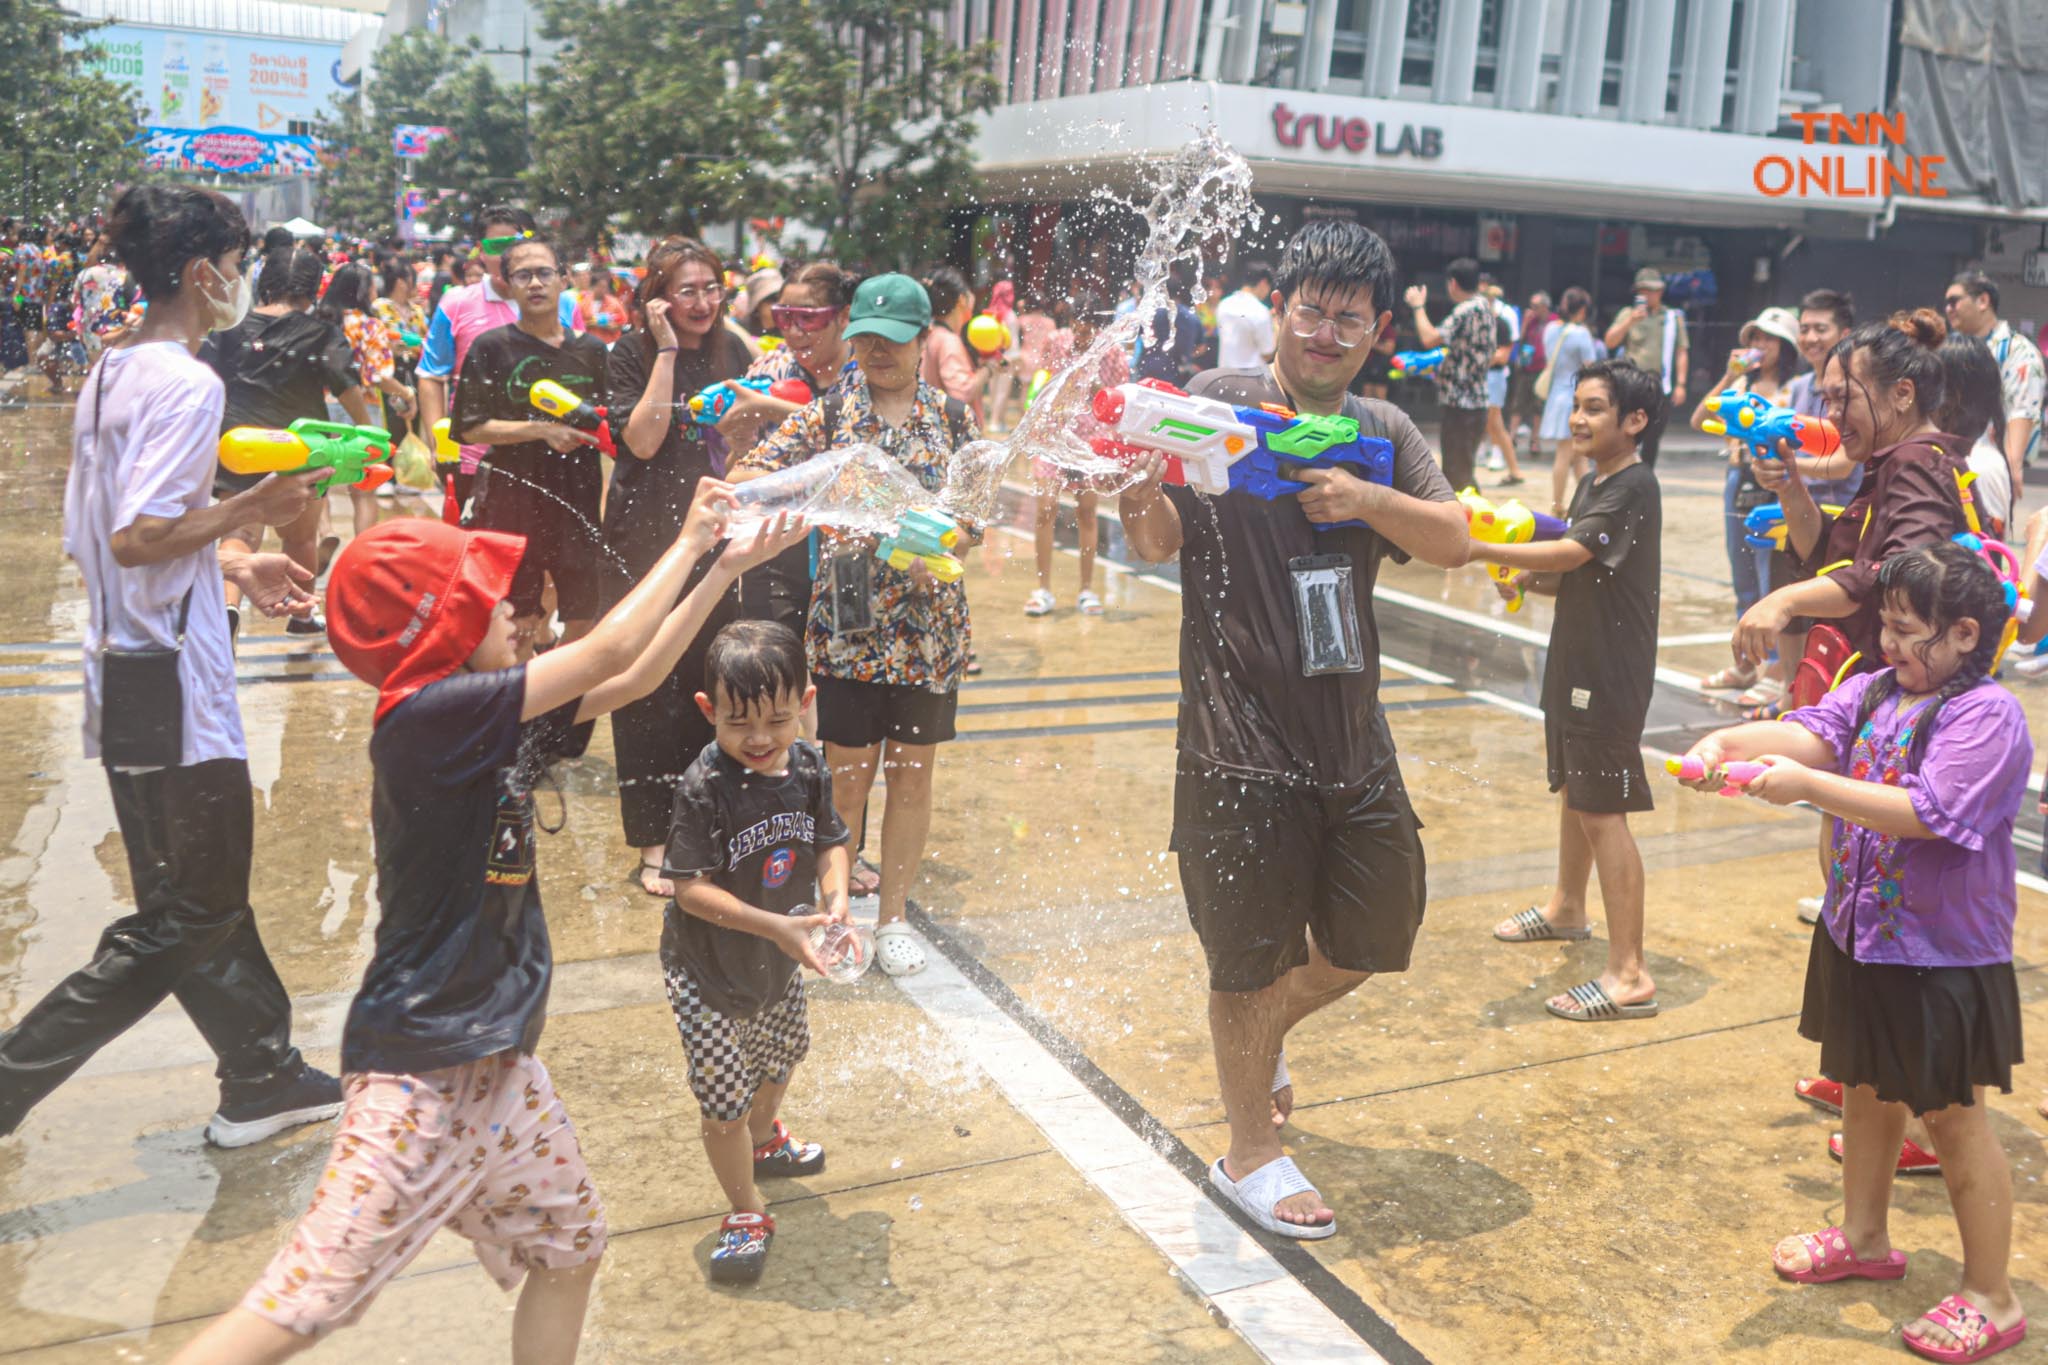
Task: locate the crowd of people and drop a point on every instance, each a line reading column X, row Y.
column 761, row 679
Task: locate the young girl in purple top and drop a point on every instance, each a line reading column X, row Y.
column 1909, row 988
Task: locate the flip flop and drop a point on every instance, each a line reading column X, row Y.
column 1974, row 1333
column 1595, row 1005
column 1258, row 1192
column 638, row 876
column 1531, row 927
column 742, row 1248
column 862, row 867
column 1829, row 1257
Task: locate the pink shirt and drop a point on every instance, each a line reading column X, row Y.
column 473, row 310
column 948, row 368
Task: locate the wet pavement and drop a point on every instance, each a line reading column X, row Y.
column 1014, row 1136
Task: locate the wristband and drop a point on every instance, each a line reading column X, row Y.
column 666, row 350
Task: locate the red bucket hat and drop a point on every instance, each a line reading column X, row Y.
column 410, row 600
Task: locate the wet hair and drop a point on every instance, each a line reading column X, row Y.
column 947, row 287
column 1254, row 271
column 348, row 292
column 1974, row 397
column 1634, row 390
column 1340, row 255
column 1941, row 584
column 501, row 214
column 1978, row 284
column 829, row 278
column 1574, row 302
column 664, row 259
column 1835, row 301
column 156, row 229
column 1463, row 272
column 1904, row 346
column 290, row 273
column 752, row 661
column 527, row 243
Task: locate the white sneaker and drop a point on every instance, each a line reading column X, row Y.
column 1040, row 603
column 2032, row 666
column 897, row 950
column 1495, row 461
column 1089, row 603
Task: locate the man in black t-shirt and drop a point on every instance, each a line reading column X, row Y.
column 1597, row 678
column 541, row 479
column 1299, row 852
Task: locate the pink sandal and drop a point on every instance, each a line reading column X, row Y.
column 1964, row 1321
column 1829, row 1258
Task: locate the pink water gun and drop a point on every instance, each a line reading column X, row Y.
column 1734, row 776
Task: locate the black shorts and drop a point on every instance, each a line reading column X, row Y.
column 559, row 521
column 1598, row 774
column 1261, row 862
column 860, row 714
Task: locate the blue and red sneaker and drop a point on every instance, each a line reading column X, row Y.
column 783, row 1155
column 742, row 1248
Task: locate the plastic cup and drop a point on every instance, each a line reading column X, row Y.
column 847, row 950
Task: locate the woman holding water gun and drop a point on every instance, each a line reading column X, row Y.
column 682, row 347
column 1766, row 354
column 280, row 364
column 373, row 344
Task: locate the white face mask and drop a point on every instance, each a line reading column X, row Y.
column 230, row 311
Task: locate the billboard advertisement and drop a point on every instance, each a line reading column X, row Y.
column 199, row 81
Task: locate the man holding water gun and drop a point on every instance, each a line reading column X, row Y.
column 1299, row 852
column 540, row 478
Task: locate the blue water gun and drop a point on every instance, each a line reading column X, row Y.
column 1409, row 364
column 1214, row 447
column 1760, row 425
column 709, row 405
column 1765, row 527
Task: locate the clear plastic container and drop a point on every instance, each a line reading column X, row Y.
column 847, row 950
column 858, row 488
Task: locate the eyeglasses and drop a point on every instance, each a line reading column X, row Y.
column 497, row 246
column 791, row 318
column 1951, row 300
column 540, row 274
column 710, row 293
column 1349, row 328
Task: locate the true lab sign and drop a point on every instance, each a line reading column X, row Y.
column 1356, row 136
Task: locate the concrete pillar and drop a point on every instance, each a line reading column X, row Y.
column 1457, row 52
column 1316, row 46
column 1183, row 20
column 1759, row 85
column 1583, row 63
column 1241, row 53
column 1646, row 60
column 1384, row 36
column 1704, row 71
column 1109, row 52
column 1024, row 54
column 1518, row 83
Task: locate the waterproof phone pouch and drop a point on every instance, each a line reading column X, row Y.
column 1326, row 615
column 852, row 600
column 142, row 704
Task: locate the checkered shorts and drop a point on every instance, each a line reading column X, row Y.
column 733, row 1056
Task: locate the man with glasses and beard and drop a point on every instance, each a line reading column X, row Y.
column 1299, row 851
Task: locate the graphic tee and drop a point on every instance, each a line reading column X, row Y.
column 498, row 376
column 1602, row 661
column 757, row 836
column 462, row 962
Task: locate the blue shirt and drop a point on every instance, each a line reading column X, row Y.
column 437, row 357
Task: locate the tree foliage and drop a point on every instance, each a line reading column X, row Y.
column 67, row 133
column 420, row 77
column 851, row 115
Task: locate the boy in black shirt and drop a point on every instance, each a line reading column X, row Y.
column 541, row 479
column 755, row 837
column 1597, row 678
column 449, row 1120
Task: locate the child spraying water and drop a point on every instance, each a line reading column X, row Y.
column 1909, row 987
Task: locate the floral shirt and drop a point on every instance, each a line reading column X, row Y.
column 411, row 318
column 1468, row 350
column 371, row 339
column 1948, row 901
column 920, row 636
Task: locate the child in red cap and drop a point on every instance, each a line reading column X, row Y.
column 449, row 1118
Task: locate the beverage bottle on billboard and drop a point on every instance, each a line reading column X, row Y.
column 213, row 92
column 177, row 108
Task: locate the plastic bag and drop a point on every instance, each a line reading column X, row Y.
column 412, row 464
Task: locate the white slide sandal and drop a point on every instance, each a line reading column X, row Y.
column 1258, row 1192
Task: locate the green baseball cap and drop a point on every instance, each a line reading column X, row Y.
column 894, row 307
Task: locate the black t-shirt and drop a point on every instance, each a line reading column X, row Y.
column 462, row 962
column 758, row 837
column 649, row 498
column 1602, row 661
column 278, row 369
column 500, row 370
column 1245, row 705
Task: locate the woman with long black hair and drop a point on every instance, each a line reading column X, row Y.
column 279, row 364
column 681, row 347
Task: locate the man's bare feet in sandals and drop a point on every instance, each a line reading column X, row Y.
column 1277, row 1197
column 1283, row 1093
column 864, row 879
column 651, row 880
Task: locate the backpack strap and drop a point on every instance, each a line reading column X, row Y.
column 956, row 422
column 829, row 408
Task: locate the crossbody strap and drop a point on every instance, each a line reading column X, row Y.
column 99, row 400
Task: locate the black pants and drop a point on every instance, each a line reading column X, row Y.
column 1462, row 432
column 193, row 935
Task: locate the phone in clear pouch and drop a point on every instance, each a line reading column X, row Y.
column 1326, row 615
column 852, row 599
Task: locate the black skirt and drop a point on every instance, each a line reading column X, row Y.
column 1924, row 1037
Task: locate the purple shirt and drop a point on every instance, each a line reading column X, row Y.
column 1948, row 901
